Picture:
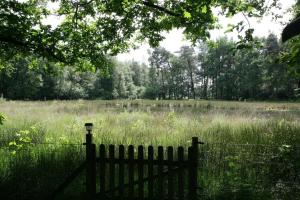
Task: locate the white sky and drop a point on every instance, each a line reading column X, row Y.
column 175, row 39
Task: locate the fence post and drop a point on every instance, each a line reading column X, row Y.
column 91, row 163
column 193, row 159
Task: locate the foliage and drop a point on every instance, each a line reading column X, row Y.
column 22, row 141
column 291, row 53
column 291, row 56
column 214, row 69
column 220, row 71
column 88, row 30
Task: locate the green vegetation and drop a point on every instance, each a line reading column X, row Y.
column 211, row 70
column 251, row 149
column 89, row 30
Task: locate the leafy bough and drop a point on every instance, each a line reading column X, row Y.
column 90, row 30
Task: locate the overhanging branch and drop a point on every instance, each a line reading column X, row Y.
column 42, row 51
column 157, row 7
column 291, row 30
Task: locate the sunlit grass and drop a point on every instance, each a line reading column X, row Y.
column 221, row 125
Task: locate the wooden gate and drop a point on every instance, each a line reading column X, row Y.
column 155, row 173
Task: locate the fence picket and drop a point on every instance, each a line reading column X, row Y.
column 140, row 172
column 93, row 168
column 192, row 175
column 111, row 170
column 150, row 172
column 170, row 174
column 102, row 166
column 131, row 171
column 118, row 192
column 194, row 162
column 121, row 170
column 180, row 153
column 160, row 169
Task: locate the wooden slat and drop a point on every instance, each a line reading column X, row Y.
column 180, row 173
column 192, row 175
column 160, row 169
column 93, row 169
column 146, row 162
column 195, row 157
column 121, row 170
column 111, row 170
column 164, row 173
column 150, row 172
column 140, row 172
column 174, row 168
column 102, row 166
column 131, row 171
column 89, row 167
column 170, row 174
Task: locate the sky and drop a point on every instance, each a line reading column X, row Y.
column 175, row 38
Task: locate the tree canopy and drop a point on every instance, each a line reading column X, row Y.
column 291, row 55
column 210, row 70
column 91, row 29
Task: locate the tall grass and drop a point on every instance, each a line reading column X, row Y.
column 251, row 149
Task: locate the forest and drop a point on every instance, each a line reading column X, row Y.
column 209, row 70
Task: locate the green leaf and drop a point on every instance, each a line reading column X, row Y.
column 249, row 8
column 230, row 28
column 204, row 9
column 187, row 15
column 12, row 143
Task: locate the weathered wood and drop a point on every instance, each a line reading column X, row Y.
column 170, row 174
column 90, row 167
column 111, row 171
column 102, row 167
column 140, row 172
column 194, row 172
column 150, row 172
column 131, row 172
column 160, row 169
column 166, row 169
column 93, row 169
column 146, row 162
column 164, row 173
column 121, row 170
column 190, row 173
column 180, row 173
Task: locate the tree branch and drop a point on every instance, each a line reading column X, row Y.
column 152, row 5
column 246, row 19
column 291, row 30
column 28, row 46
column 83, row 4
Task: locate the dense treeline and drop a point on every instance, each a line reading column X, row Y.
column 210, row 70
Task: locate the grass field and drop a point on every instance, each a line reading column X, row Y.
column 251, row 150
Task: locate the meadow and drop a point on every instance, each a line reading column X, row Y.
column 251, row 149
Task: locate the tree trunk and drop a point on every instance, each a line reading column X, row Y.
column 191, row 79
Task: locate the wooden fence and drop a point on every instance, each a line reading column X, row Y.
column 156, row 173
